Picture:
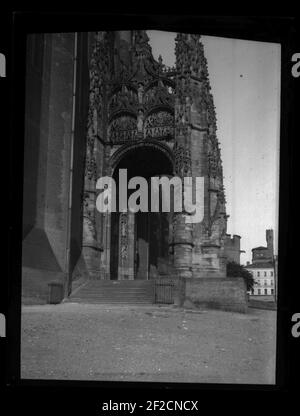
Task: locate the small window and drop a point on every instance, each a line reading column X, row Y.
column 258, row 291
column 258, row 274
column 266, row 291
column 272, row 291
column 271, row 274
column 265, row 274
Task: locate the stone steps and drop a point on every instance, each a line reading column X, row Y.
column 114, row 292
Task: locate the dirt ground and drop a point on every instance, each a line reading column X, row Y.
column 147, row 343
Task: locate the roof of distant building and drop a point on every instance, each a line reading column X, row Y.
column 260, row 248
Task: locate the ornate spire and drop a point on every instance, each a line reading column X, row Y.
column 141, row 47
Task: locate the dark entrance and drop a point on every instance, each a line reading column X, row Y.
column 140, row 241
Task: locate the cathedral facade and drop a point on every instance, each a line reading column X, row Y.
column 97, row 103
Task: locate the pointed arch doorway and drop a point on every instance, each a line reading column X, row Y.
column 139, row 243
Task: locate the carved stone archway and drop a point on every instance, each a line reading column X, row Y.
column 152, row 144
column 139, row 242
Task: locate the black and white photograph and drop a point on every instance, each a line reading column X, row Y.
column 118, row 285
column 150, row 210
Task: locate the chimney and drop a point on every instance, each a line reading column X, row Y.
column 270, row 238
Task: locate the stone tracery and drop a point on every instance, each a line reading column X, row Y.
column 159, row 125
column 137, row 100
column 122, row 129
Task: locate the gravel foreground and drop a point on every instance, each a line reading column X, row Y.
column 147, row 343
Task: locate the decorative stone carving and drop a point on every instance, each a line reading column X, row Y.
column 142, row 48
column 99, row 75
column 159, row 125
column 143, row 99
column 91, row 167
column 211, row 114
column 98, row 69
column 123, row 100
column 183, row 54
column 182, row 157
column 159, row 95
column 122, row 129
column 187, row 163
column 199, row 92
column 215, row 169
column 88, row 220
column 140, row 94
column 123, row 235
column 182, row 119
column 144, row 68
column 140, row 121
column 154, row 144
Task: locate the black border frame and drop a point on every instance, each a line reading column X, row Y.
column 281, row 30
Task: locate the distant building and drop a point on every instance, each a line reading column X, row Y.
column 232, row 248
column 263, row 268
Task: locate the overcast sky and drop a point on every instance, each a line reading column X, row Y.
column 245, row 81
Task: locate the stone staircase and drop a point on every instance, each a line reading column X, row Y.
column 129, row 292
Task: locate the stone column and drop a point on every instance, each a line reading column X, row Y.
column 183, row 231
column 195, row 126
column 91, row 248
column 126, row 246
column 183, row 247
